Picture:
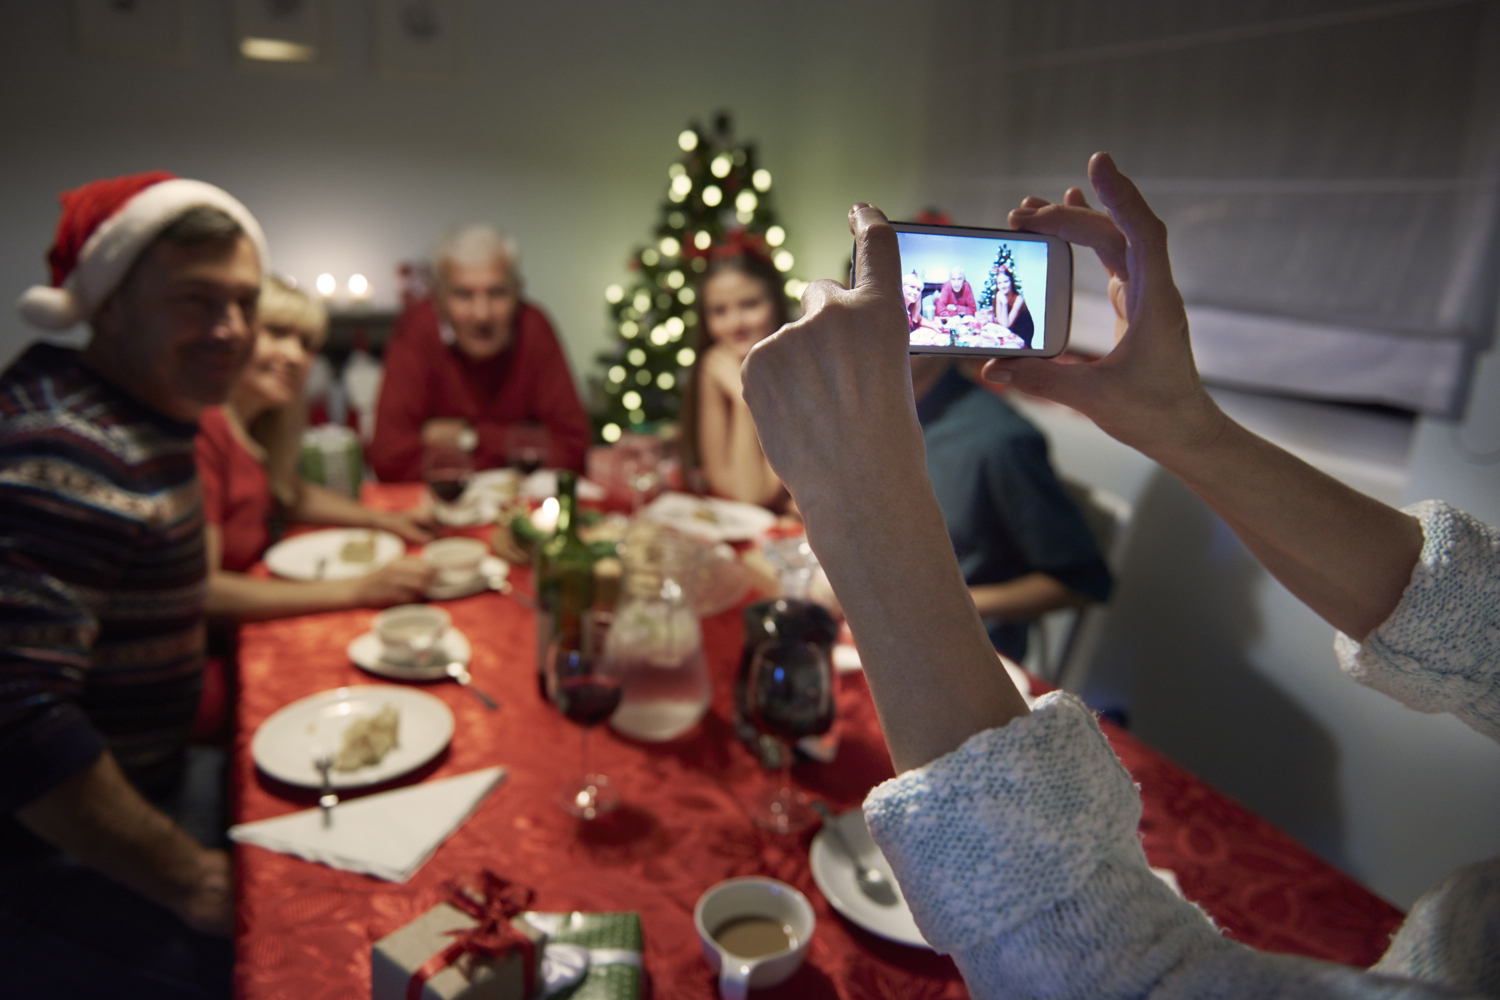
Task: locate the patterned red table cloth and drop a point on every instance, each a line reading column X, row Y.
column 305, row 930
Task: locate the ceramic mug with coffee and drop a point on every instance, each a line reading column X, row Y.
column 754, row 932
column 456, row 560
column 411, row 634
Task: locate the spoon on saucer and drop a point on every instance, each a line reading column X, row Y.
column 460, row 673
column 872, row 882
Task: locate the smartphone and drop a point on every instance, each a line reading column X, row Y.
column 986, row 292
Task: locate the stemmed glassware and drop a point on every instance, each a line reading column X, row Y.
column 788, row 695
column 527, row 447
column 586, row 686
column 447, row 471
column 640, row 464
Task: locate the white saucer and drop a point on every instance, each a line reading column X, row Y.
column 492, row 569
column 834, row 874
column 367, row 653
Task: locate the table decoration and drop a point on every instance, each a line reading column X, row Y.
column 389, row 835
column 473, row 946
column 614, row 944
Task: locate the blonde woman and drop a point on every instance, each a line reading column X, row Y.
column 247, row 454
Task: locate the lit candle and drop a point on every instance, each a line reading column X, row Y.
column 327, row 285
column 545, row 516
column 359, row 288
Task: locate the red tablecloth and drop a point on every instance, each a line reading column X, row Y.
column 305, row 930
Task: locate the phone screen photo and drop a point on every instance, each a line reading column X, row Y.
column 985, row 291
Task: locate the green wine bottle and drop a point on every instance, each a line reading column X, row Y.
column 565, row 580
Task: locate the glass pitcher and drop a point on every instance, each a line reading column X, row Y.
column 656, row 638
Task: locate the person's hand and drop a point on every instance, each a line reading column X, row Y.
column 721, row 372
column 831, row 393
column 443, row 432
column 209, row 905
column 400, row 582
column 415, row 526
column 1146, row 391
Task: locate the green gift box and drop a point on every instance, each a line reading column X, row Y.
column 614, row 944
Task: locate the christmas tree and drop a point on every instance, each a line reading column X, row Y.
column 717, row 196
column 1003, row 262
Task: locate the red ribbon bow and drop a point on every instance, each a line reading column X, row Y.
column 735, row 243
column 492, row 937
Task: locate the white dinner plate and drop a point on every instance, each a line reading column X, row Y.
column 492, row 571
column 286, row 744
column 368, row 653
column 710, row 518
column 834, row 874
column 298, row 557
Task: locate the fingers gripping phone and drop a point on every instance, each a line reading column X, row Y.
column 985, row 292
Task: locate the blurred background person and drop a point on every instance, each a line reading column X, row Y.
column 247, row 453
column 1023, row 546
column 473, row 362
column 743, row 304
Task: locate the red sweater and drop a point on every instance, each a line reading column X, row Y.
column 425, row 379
column 236, row 492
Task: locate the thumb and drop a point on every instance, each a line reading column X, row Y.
column 1058, row 381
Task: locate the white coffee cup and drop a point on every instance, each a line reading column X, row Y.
column 740, row 899
column 455, row 559
column 410, row 633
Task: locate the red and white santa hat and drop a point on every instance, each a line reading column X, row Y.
column 104, row 227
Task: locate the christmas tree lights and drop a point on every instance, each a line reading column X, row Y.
column 717, row 200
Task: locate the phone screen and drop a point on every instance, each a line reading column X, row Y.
column 983, row 291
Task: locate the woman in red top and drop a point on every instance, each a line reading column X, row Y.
column 247, row 461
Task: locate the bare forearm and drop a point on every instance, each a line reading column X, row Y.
column 733, row 460
column 1024, row 598
column 245, row 598
column 320, row 505
column 1347, row 556
column 98, row 818
column 934, row 675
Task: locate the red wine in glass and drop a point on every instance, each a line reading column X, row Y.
column 585, row 683
column 530, row 461
column 588, row 701
column 448, row 485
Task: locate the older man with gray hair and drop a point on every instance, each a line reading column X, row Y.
column 471, row 364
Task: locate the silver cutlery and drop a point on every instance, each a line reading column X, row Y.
column 460, row 673
column 327, row 798
column 321, row 568
column 872, row 881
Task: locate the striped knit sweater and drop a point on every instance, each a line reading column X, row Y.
column 102, row 580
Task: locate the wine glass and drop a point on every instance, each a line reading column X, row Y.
column 640, row 463
column 586, row 686
column 447, row 471
column 527, row 447
column 789, row 695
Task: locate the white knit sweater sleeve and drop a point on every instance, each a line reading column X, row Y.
column 1018, row 855
column 1439, row 651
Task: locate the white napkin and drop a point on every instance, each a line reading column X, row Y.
column 389, row 835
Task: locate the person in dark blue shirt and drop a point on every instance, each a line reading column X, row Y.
column 1022, row 544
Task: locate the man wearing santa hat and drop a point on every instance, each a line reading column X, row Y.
column 102, row 580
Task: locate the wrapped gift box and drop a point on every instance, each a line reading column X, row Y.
column 397, row 956
column 613, row 941
column 332, row 457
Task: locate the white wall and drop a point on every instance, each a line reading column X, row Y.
column 561, row 134
column 1221, row 668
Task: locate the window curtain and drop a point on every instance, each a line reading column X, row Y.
column 1327, row 170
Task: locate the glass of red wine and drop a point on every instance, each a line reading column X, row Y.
column 527, row 447
column 447, row 472
column 788, row 695
column 586, row 686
